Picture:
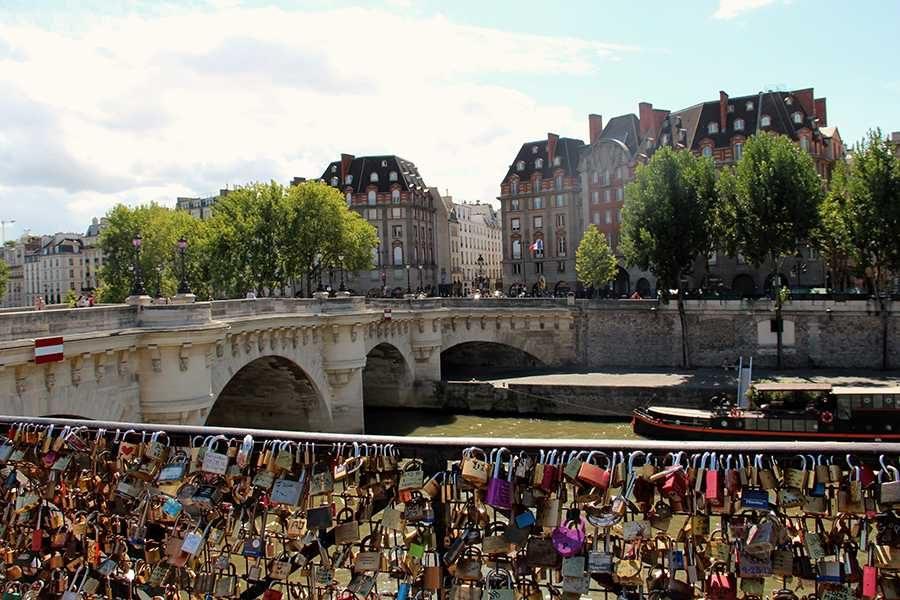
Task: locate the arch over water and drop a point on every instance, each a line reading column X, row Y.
column 387, row 377
column 271, row 392
column 480, row 359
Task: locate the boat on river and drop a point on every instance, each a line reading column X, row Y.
column 783, row 411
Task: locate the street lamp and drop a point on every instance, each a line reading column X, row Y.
column 341, row 267
column 480, row 262
column 137, row 283
column 420, row 278
column 318, row 269
column 183, row 287
column 159, row 273
column 408, row 288
column 384, row 282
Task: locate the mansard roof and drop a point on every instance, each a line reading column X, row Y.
column 362, row 167
column 567, row 149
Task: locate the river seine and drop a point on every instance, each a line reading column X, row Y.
column 384, row 421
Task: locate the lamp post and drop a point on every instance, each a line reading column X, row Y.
column 408, row 288
column 480, row 262
column 183, row 287
column 137, row 283
column 341, row 267
column 420, row 278
column 384, row 282
column 159, row 274
column 318, row 270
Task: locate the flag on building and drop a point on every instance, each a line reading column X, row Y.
column 538, row 246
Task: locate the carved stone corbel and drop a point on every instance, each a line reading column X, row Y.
column 423, row 353
column 315, row 335
column 453, row 323
column 75, row 364
column 434, row 325
column 498, row 322
column 155, row 358
column 210, row 356
column 335, row 333
column 483, row 322
column 122, row 366
column 235, row 346
column 261, row 340
column 247, row 342
column 49, row 377
column 468, row 323
column 305, row 331
column 340, row 377
column 274, row 338
column 21, row 380
column 541, row 323
column 100, row 366
column 556, row 322
column 295, row 337
column 184, row 356
column 354, row 331
column 220, row 348
column 420, row 323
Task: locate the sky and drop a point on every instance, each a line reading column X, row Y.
column 136, row 102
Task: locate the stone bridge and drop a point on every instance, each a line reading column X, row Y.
column 271, row 362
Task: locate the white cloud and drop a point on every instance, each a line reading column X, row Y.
column 729, row 9
column 144, row 109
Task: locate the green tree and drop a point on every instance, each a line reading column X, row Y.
column 70, row 299
column 771, row 206
column 4, row 277
column 594, row 261
column 862, row 212
column 160, row 229
column 667, row 220
column 833, row 235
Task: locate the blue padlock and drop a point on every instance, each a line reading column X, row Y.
column 525, row 520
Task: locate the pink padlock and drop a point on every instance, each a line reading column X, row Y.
column 499, row 491
column 568, row 539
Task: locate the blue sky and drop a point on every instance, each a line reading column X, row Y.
column 141, row 102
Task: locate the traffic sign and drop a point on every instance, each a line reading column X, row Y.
column 47, row 350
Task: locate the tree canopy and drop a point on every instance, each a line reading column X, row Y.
column 4, row 277
column 594, row 261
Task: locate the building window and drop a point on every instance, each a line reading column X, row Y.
column 765, row 121
column 561, row 246
column 605, row 178
column 538, row 222
column 607, row 195
column 348, row 179
column 372, row 197
column 517, row 249
column 712, row 128
column 618, row 172
column 595, row 197
column 595, row 177
column 515, row 224
column 596, row 218
column 608, row 217
column 538, row 267
column 797, row 118
column 539, row 163
column 392, row 176
column 397, row 231
column 349, row 198
column 731, row 108
column 396, row 212
column 372, row 214
column 398, row 255
column 534, row 149
column 560, row 220
column 707, row 151
column 514, row 186
column 749, row 105
column 560, row 200
column 559, row 182
column 738, row 150
column 557, row 161
column 738, row 124
column 373, row 177
column 619, row 194
column 619, row 216
column 520, row 166
column 561, row 266
column 537, row 203
column 395, row 196
column 804, row 144
column 334, row 181
column 536, row 185
column 517, row 268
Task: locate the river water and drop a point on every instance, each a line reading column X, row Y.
column 388, row 421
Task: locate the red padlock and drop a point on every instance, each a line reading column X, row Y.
column 550, row 477
column 713, row 491
column 594, row 475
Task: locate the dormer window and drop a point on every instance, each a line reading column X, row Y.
column 349, row 198
column 788, row 100
column 539, row 163
column 731, row 108
column 738, row 124
column 384, row 164
column 520, row 166
column 334, row 168
column 334, row 181
column 557, row 161
column 395, row 196
column 765, row 121
column 749, row 105
column 712, row 128
column 373, row 178
column 534, row 149
column 392, row 176
column 514, row 186
column 348, row 179
column 797, row 118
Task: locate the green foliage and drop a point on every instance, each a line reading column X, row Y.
column 770, row 200
column 160, row 229
column 4, row 277
column 833, row 235
column 667, row 219
column 594, row 261
column 70, row 299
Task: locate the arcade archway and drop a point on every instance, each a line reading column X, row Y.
column 387, row 379
column 470, row 360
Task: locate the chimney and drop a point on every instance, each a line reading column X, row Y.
column 723, row 110
column 346, row 159
column 552, row 139
column 645, row 115
column 595, row 127
column 821, row 112
column 297, row 181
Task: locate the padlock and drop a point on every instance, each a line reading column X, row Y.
column 713, row 482
column 475, row 467
column 594, row 475
column 796, row 478
column 500, row 491
column 888, row 484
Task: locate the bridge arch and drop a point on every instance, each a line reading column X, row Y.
column 476, row 358
column 388, row 376
column 271, row 392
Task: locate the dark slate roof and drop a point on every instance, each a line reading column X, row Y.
column 567, row 149
column 695, row 120
column 626, row 129
column 362, row 167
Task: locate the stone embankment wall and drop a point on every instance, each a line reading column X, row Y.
column 817, row 334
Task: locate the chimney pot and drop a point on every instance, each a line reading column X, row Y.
column 595, row 127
